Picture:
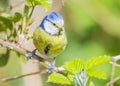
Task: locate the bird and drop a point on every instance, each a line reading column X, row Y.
column 49, row 37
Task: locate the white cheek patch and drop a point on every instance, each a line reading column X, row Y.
column 50, row 28
column 60, row 22
column 63, row 31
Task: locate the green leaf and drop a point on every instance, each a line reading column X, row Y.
column 26, row 10
column 4, row 58
column 6, row 15
column 29, row 36
column 5, row 23
column 97, row 61
column 99, row 74
column 45, row 3
column 58, row 79
column 13, row 37
column 70, row 77
column 17, row 17
column 74, row 66
column 91, row 83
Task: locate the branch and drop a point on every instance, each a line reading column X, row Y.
column 27, row 21
column 114, row 65
column 113, row 72
column 31, row 11
column 60, row 69
column 116, row 58
column 113, row 81
column 18, row 49
column 18, row 76
column 23, row 51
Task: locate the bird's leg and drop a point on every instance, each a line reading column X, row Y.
column 52, row 65
column 31, row 54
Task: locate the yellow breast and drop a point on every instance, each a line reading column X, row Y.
column 47, row 44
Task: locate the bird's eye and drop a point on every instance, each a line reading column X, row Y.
column 54, row 24
column 62, row 29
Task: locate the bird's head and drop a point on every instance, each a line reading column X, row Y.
column 53, row 24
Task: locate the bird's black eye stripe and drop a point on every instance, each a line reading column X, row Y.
column 60, row 29
column 53, row 23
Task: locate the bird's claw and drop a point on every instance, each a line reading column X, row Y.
column 52, row 66
column 31, row 54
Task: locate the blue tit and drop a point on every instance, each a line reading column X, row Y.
column 50, row 38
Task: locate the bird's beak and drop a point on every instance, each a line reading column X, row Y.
column 60, row 30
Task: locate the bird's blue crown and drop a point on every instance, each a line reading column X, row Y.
column 53, row 17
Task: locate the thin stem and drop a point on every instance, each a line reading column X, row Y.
column 31, row 11
column 113, row 81
column 13, row 46
column 19, row 49
column 117, row 65
column 114, row 64
column 18, row 76
column 112, row 73
column 28, row 20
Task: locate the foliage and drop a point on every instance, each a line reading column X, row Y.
column 95, row 61
column 45, row 3
column 14, row 26
column 5, row 22
column 4, row 58
column 74, row 66
column 59, row 78
column 79, row 72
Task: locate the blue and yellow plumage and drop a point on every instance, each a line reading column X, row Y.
column 50, row 38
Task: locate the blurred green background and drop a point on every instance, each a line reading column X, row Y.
column 92, row 29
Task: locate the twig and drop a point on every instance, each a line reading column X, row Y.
column 113, row 81
column 18, row 49
column 18, row 76
column 114, row 64
column 31, row 11
column 117, row 65
column 116, row 58
column 113, row 72
column 60, row 69
column 13, row 46
column 28, row 20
